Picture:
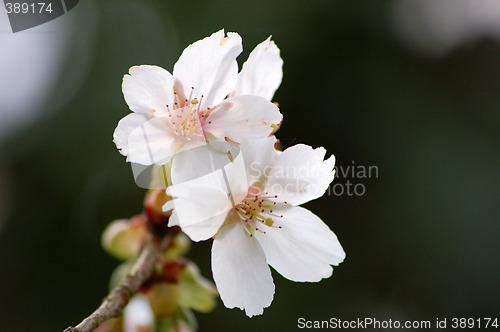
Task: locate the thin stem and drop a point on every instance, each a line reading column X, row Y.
column 113, row 305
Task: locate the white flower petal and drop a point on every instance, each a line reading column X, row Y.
column 200, row 200
column 205, row 229
column 235, row 175
column 262, row 73
column 206, row 185
column 148, row 89
column 199, row 231
column 242, row 117
column 198, row 204
column 152, row 143
column 259, row 154
column 125, row 127
column 209, row 66
column 240, row 271
column 300, row 174
column 145, row 140
column 196, row 162
column 303, row 248
column 173, row 220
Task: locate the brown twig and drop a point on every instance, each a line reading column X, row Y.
column 113, row 305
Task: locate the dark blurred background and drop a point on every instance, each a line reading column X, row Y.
column 409, row 87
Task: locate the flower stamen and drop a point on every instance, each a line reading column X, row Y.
column 257, row 209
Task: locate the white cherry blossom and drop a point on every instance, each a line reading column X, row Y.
column 185, row 110
column 258, row 222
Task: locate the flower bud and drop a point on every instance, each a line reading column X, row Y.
column 179, row 246
column 179, row 284
column 124, row 238
column 157, row 220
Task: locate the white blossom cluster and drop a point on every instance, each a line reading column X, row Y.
column 211, row 130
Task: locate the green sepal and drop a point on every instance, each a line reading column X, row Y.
column 197, row 292
column 182, row 320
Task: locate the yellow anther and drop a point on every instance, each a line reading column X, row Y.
column 275, row 127
column 269, row 222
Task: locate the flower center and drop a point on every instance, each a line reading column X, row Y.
column 257, row 211
column 184, row 116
